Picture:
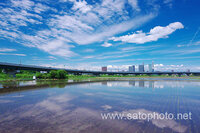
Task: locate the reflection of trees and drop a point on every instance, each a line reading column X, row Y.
column 9, row 87
column 9, row 84
column 53, row 83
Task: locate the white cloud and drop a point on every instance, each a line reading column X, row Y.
column 57, row 47
column 26, row 4
column 82, row 6
column 106, row 107
column 52, row 57
column 7, row 50
column 168, row 2
column 96, row 67
column 8, row 34
column 134, row 4
column 71, row 23
column 106, row 44
column 41, row 8
column 105, row 32
column 156, row 33
column 88, row 57
column 84, row 23
column 12, row 54
column 191, row 43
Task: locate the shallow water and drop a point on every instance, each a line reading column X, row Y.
column 78, row 107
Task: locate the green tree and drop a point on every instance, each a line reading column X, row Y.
column 39, row 75
column 53, row 74
column 61, row 74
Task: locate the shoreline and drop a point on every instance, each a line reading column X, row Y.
column 105, row 78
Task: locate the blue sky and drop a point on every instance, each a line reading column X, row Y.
column 88, row 34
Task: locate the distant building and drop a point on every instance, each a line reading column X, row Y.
column 131, row 68
column 104, row 69
column 43, row 71
column 151, row 67
column 141, row 68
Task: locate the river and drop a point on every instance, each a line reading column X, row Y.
column 86, row 107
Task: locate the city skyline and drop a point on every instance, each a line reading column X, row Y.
column 90, row 34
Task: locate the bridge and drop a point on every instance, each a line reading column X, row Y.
column 12, row 68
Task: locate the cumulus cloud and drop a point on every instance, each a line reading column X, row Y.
column 156, row 33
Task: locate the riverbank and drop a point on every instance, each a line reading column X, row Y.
column 103, row 77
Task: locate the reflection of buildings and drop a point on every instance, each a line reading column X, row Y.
column 104, row 83
column 141, row 83
column 132, row 83
column 151, row 84
column 104, row 69
column 144, row 84
column 132, row 68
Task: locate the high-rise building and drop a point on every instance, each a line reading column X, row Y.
column 132, row 68
column 151, row 67
column 104, row 69
column 141, row 68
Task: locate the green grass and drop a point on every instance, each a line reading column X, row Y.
column 5, row 77
column 24, row 75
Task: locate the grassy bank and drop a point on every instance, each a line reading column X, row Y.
column 61, row 74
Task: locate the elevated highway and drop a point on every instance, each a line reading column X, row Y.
column 14, row 67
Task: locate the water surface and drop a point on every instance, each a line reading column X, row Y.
column 57, row 106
